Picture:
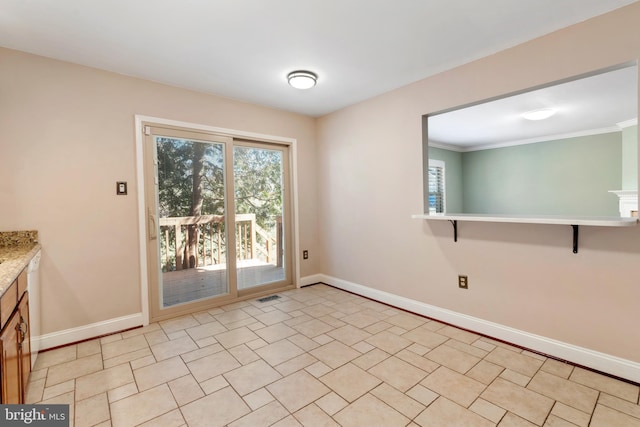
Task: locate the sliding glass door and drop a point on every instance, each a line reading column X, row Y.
column 205, row 247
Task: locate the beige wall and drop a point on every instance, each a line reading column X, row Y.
column 66, row 137
column 522, row 276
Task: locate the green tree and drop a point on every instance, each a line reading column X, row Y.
column 258, row 184
column 191, row 183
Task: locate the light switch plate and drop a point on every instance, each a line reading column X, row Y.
column 121, row 188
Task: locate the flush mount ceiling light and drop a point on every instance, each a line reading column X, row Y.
column 541, row 114
column 302, row 79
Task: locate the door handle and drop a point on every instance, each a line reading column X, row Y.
column 152, row 225
column 23, row 332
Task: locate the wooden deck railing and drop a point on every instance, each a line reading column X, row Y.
column 252, row 241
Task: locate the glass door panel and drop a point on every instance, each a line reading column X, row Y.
column 191, row 209
column 189, row 247
column 259, row 176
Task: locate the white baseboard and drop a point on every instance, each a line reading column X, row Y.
column 106, row 327
column 86, row 332
column 310, row 280
column 606, row 363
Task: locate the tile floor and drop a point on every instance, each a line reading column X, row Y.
column 319, row 356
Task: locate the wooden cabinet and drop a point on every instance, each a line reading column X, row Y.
column 15, row 354
column 8, row 303
column 11, row 375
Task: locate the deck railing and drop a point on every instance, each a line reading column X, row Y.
column 252, row 241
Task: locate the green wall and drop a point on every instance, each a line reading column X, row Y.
column 564, row 177
column 630, row 158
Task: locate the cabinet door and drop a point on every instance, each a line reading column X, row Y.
column 11, row 379
column 24, row 337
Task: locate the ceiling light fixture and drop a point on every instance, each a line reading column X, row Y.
column 302, row 79
column 541, row 114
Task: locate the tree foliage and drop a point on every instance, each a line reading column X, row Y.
column 176, row 177
column 258, row 184
column 191, row 182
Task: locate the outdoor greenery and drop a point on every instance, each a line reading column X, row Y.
column 258, row 184
column 191, row 183
column 177, row 160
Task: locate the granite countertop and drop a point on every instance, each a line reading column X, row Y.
column 17, row 248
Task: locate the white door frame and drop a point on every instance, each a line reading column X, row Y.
column 142, row 224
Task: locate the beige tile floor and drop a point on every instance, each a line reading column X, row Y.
column 320, row 357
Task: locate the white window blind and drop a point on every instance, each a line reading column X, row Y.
column 436, row 186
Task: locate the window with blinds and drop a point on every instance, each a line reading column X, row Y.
column 436, row 187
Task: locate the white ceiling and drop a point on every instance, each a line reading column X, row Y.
column 591, row 105
column 243, row 49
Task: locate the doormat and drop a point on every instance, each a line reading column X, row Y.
column 269, row 298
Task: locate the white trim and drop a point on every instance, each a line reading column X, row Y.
column 294, row 200
column 627, row 123
column 613, row 365
column 449, row 147
column 546, row 138
column 90, row 331
column 310, row 280
column 142, row 222
column 218, row 130
column 142, row 227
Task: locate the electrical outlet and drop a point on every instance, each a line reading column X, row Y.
column 305, row 254
column 463, row 282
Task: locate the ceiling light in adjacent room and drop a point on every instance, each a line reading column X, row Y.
column 541, row 114
column 302, row 79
